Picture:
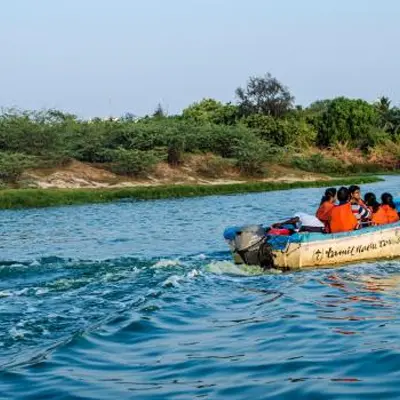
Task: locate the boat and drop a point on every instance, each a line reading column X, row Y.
column 252, row 245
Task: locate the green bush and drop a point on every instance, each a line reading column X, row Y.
column 373, row 137
column 224, row 140
column 282, row 132
column 176, row 148
column 53, row 160
column 133, row 162
column 211, row 111
column 359, row 168
column 251, row 156
column 33, row 133
column 318, row 163
column 182, row 136
column 209, row 126
column 89, row 141
column 12, row 165
column 347, row 120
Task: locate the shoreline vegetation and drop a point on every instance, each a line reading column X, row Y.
column 29, row 198
column 263, row 141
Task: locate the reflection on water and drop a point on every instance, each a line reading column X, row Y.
column 141, row 300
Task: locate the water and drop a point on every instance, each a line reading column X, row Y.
column 139, row 300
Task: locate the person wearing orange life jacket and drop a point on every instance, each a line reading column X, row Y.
column 371, row 202
column 386, row 213
column 373, row 206
column 326, row 205
column 342, row 218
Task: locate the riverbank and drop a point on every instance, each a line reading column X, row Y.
column 196, row 170
column 28, row 198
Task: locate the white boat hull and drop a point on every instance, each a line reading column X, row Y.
column 338, row 249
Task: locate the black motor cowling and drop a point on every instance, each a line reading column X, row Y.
column 261, row 255
column 250, row 243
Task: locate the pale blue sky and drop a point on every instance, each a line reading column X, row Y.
column 102, row 57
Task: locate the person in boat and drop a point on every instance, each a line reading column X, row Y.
column 327, row 203
column 355, row 194
column 386, row 213
column 342, row 217
column 371, row 202
column 301, row 222
column 358, row 207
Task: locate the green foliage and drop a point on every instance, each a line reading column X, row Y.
column 133, row 162
column 90, row 140
column 264, row 95
column 363, row 168
column 159, row 111
column 211, row 111
column 313, row 113
column 224, row 140
column 347, row 120
column 176, row 148
column 375, row 136
column 251, row 156
column 383, row 105
column 53, row 160
column 282, row 132
column 32, row 133
column 264, row 125
column 12, row 165
column 389, row 117
column 319, row 163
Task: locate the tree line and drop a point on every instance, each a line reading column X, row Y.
column 264, row 124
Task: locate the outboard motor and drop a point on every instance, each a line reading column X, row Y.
column 249, row 245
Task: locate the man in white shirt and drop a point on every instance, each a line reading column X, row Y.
column 303, row 222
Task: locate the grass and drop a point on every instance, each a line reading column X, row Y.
column 27, row 198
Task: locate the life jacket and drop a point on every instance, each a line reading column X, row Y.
column 279, row 232
column 342, row 219
column 324, row 211
column 385, row 215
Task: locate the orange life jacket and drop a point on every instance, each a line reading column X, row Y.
column 385, row 215
column 324, row 211
column 342, row 219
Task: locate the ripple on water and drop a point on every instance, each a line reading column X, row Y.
column 141, row 300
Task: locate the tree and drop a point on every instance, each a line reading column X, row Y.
column 348, row 120
column 282, row 132
column 314, row 112
column 129, row 117
column 383, row 105
column 159, row 112
column 211, row 111
column 389, row 116
column 54, row 116
column 391, row 122
column 318, row 106
column 264, row 95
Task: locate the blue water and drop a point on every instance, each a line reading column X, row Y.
column 139, row 300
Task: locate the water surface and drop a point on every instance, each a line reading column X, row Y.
column 140, row 300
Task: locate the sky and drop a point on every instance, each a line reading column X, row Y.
column 103, row 57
